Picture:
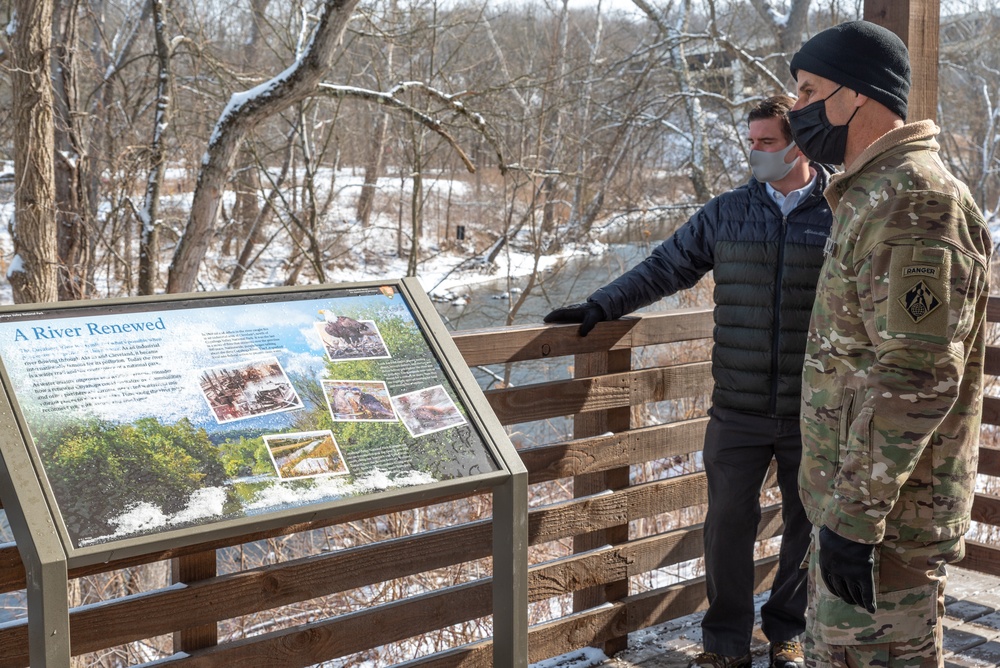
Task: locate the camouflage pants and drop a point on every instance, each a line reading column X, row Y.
column 905, row 631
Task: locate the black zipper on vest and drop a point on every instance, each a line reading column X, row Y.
column 776, row 329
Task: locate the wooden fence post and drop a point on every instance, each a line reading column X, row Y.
column 918, row 23
column 188, row 569
column 594, row 424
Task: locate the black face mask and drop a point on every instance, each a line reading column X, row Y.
column 815, row 136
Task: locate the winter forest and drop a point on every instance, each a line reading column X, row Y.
column 172, row 146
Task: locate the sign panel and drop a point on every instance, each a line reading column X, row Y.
column 148, row 417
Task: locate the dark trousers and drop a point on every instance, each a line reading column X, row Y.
column 738, row 450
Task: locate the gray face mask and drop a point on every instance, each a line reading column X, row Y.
column 768, row 167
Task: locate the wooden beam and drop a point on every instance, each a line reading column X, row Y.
column 615, row 420
column 918, row 24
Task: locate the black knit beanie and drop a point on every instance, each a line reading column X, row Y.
column 862, row 56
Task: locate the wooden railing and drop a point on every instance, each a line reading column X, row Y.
column 603, row 397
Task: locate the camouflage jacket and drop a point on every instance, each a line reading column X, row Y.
column 893, row 375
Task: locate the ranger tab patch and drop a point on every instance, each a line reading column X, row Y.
column 919, row 301
column 920, row 270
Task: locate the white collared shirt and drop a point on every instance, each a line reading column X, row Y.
column 787, row 203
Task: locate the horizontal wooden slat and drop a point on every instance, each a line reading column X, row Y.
column 597, row 625
column 674, row 326
column 986, row 509
column 313, row 643
column 534, row 342
column 993, row 309
column 982, row 558
column 600, row 453
column 989, row 461
column 991, row 366
column 600, row 511
column 537, row 342
column 684, row 544
column 991, row 410
column 614, row 390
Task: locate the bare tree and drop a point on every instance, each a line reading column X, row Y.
column 72, row 206
column 787, row 28
column 33, row 273
column 692, row 103
column 244, row 112
column 374, row 163
column 247, row 207
column 149, row 214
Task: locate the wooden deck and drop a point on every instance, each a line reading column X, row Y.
column 971, row 639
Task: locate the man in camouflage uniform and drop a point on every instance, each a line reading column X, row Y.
column 893, row 376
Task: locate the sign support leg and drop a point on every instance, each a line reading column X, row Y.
column 510, row 572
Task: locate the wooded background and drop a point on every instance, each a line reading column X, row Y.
column 173, row 145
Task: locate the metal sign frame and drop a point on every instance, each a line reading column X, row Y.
column 48, row 551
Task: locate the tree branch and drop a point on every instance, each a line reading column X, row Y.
column 244, row 111
column 389, row 99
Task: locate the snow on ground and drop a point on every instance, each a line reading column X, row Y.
column 355, row 254
column 588, row 657
column 371, row 253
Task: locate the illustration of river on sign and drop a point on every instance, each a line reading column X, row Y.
column 305, row 454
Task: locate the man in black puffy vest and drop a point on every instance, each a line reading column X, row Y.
column 764, row 241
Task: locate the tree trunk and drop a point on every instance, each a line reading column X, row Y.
column 246, row 259
column 373, row 169
column 373, row 166
column 33, row 273
column 416, row 211
column 72, row 206
column 787, row 28
column 555, row 136
column 246, row 210
column 149, row 231
column 692, row 104
column 239, row 117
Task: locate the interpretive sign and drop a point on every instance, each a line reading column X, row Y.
column 155, row 416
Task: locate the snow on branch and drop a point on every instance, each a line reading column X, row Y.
column 244, row 111
column 773, row 16
column 749, row 59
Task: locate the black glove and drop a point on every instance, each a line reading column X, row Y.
column 588, row 314
column 848, row 568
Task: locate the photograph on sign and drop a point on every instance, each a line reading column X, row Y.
column 245, row 389
column 152, row 417
column 428, row 410
column 345, row 338
column 358, row 400
column 306, row 453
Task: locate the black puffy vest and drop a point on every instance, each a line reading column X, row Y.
column 765, row 267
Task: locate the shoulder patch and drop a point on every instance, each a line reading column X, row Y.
column 919, row 301
column 920, row 270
